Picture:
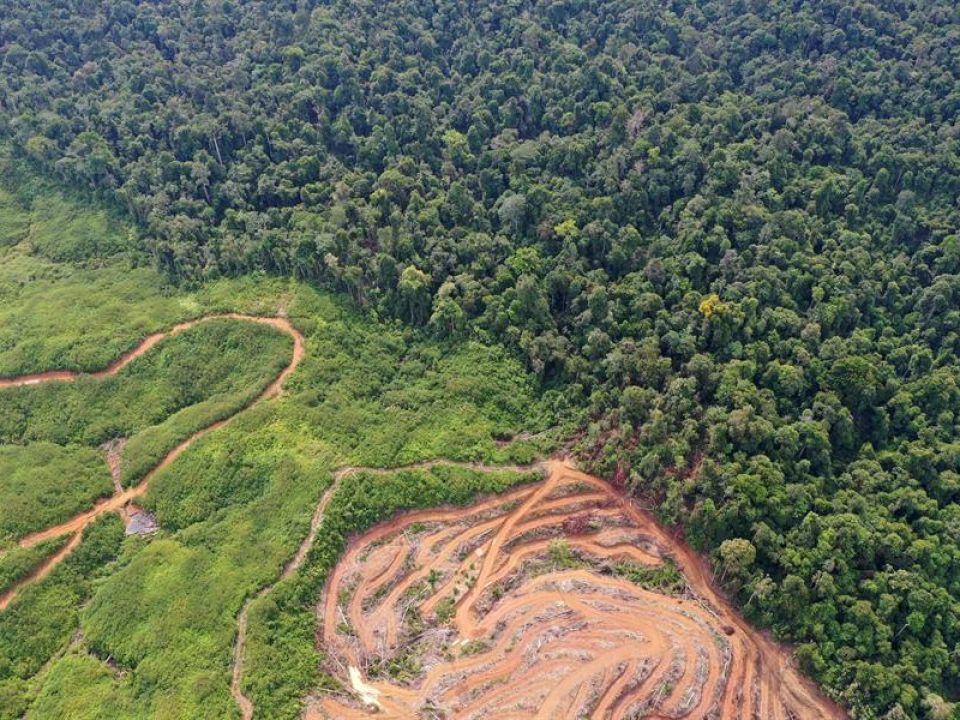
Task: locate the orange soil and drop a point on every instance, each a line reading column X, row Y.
column 531, row 637
column 122, row 497
column 41, row 571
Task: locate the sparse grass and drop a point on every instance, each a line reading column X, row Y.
column 474, row 647
column 664, row 578
column 402, row 668
column 445, row 611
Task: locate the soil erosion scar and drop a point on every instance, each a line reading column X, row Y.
column 519, row 607
column 120, row 499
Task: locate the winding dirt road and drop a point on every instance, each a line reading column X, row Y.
column 121, row 498
column 513, row 608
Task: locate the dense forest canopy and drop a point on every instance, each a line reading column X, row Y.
column 722, row 232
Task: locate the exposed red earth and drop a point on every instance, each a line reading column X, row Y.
column 121, row 500
column 517, row 608
column 243, row 702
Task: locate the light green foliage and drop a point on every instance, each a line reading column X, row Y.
column 14, row 220
column 53, row 224
column 43, row 617
column 664, row 578
column 81, row 687
column 212, row 360
column 18, row 562
column 42, row 484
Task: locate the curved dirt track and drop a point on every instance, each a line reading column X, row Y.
column 236, row 676
column 120, row 499
column 514, row 608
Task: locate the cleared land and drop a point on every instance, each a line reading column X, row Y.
column 527, row 605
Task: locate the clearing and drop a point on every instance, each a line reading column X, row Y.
column 523, row 606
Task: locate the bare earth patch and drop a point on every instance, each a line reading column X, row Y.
column 514, row 608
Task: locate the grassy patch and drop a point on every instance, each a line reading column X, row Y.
column 43, row 484
column 664, row 578
column 44, row 616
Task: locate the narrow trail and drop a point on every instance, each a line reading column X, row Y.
column 41, row 571
column 239, row 646
column 483, row 620
column 122, row 497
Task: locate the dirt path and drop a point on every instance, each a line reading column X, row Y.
column 41, row 571
column 114, row 453
column 122, row 497
column 512, row 608
column 243, row 702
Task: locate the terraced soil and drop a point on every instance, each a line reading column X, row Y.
column 122, row 499
column 515, row 608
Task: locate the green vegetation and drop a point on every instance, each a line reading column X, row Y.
column 721, row 234
column 561, row 556
column 664, row 578
column 37, row 213
column 212, row 361
column 18, row 562
column 281, row 659
column 183, row 385
column 402, row 668
column 42, row 484
column 43, row 619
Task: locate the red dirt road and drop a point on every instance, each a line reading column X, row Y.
column 513, row 608
column 119, row 500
